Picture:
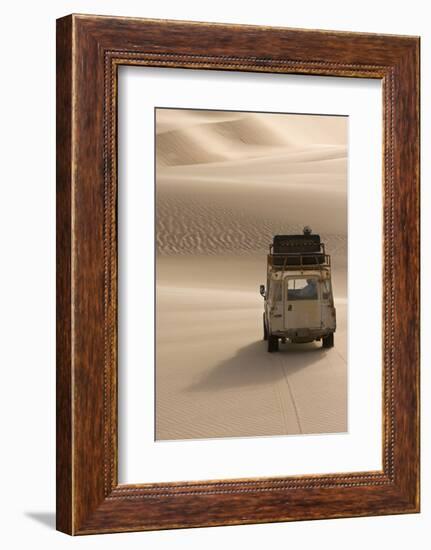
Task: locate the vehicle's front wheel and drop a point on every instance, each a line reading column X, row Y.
column 328, row 341
column 272, row 343
column 265, row 330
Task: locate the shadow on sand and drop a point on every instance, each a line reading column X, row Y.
column 253, row 365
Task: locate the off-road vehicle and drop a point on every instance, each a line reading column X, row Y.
column 299, row 304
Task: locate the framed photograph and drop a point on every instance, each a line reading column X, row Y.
column 237, row 274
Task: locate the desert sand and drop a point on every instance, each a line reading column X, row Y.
column 226, row 182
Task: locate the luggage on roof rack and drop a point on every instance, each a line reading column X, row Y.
column 297, row 250
column 290, row 244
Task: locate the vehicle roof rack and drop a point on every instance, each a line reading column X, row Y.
column 293, row 252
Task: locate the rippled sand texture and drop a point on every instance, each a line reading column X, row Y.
column 226, row 182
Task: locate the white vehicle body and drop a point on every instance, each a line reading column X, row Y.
column 299, row 304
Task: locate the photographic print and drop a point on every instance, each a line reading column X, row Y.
column 214, row 367
column 251, row 274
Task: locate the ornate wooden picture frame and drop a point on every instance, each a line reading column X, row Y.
column 89, row 51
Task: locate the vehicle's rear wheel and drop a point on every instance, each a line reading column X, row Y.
column 272, row 343
column 265, row 330
column 328, row 341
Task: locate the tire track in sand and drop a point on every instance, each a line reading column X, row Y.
column 289, row 409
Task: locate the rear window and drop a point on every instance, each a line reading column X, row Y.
column 302, row 289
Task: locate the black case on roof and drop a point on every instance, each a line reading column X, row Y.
column 288, row 244
column 297, row 249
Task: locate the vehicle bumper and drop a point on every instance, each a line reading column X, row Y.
column 303, row 334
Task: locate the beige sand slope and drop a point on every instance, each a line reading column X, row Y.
column 226, row 182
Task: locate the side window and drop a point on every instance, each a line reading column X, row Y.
column 302, row 289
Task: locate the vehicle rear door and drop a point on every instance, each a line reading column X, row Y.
column 302, row 302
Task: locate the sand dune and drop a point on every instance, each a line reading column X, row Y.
column 207, row 205
column 281, row 167
column 214, row 376
column 215, row 142
column 175, row 119
column 191, row 224
column 226, row 182
column 200, row 137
